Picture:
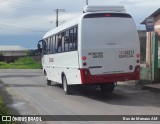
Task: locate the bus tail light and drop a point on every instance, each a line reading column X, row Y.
column 138, row 56
column 85, row 74
column 137, row 72
column 107, row 15
column 84, row 64
column 84, row 58
column 137, row 68
column 138, row 60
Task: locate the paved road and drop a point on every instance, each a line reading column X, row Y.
column 26, row 92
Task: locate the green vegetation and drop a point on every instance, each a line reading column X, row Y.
column 21, row 63
column 4, row 111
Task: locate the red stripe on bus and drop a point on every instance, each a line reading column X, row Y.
column 87, row 78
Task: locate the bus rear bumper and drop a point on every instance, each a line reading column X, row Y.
column 87, row 78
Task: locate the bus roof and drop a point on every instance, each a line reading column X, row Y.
column 87, row 9
column 95, row 8
column 62, row 27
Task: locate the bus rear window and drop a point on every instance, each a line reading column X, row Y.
column 100, row 15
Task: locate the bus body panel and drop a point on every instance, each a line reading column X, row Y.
column 111, row 46
column 66, row 63
column 108, row 61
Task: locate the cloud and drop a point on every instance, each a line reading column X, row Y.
column 142, row 3
column 28, row 16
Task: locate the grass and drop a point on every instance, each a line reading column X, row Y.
column 21, row 63
column 4, row 111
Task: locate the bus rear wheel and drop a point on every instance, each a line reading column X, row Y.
column 107, row 88
column 66, row 87
column 48, row 82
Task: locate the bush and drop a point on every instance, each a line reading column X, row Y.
column 21, row 63
column 4, row 111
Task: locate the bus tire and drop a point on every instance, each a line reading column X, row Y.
column 48, row 82
column 66, row 87
column 107, row 88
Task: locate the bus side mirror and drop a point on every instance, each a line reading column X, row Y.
column 39, row 46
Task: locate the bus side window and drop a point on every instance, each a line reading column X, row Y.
column 51, row 45
column 54, row 45
column 75, row 38
column 46, row 46
column 71, row 40
column 59, row 43
column 66, row 42
column 63, row 42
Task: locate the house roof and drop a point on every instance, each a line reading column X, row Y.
column 157, row 12
column 12, row 48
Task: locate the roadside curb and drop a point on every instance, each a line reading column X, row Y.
column 152, row 87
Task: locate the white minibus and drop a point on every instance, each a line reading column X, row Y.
column 101, row 47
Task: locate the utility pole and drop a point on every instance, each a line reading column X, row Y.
column 57, row 11
column 86, row 2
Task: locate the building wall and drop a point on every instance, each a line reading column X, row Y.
column 148, row 48
column 157, row 24
column 157, row 29
column 14, row 53
column 142, row 39
column 11, row 56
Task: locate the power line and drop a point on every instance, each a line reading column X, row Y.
column 86, row 2
column 24, row 26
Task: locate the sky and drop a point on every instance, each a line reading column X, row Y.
column 24, row 22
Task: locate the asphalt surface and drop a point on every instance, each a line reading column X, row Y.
column 26, row 93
